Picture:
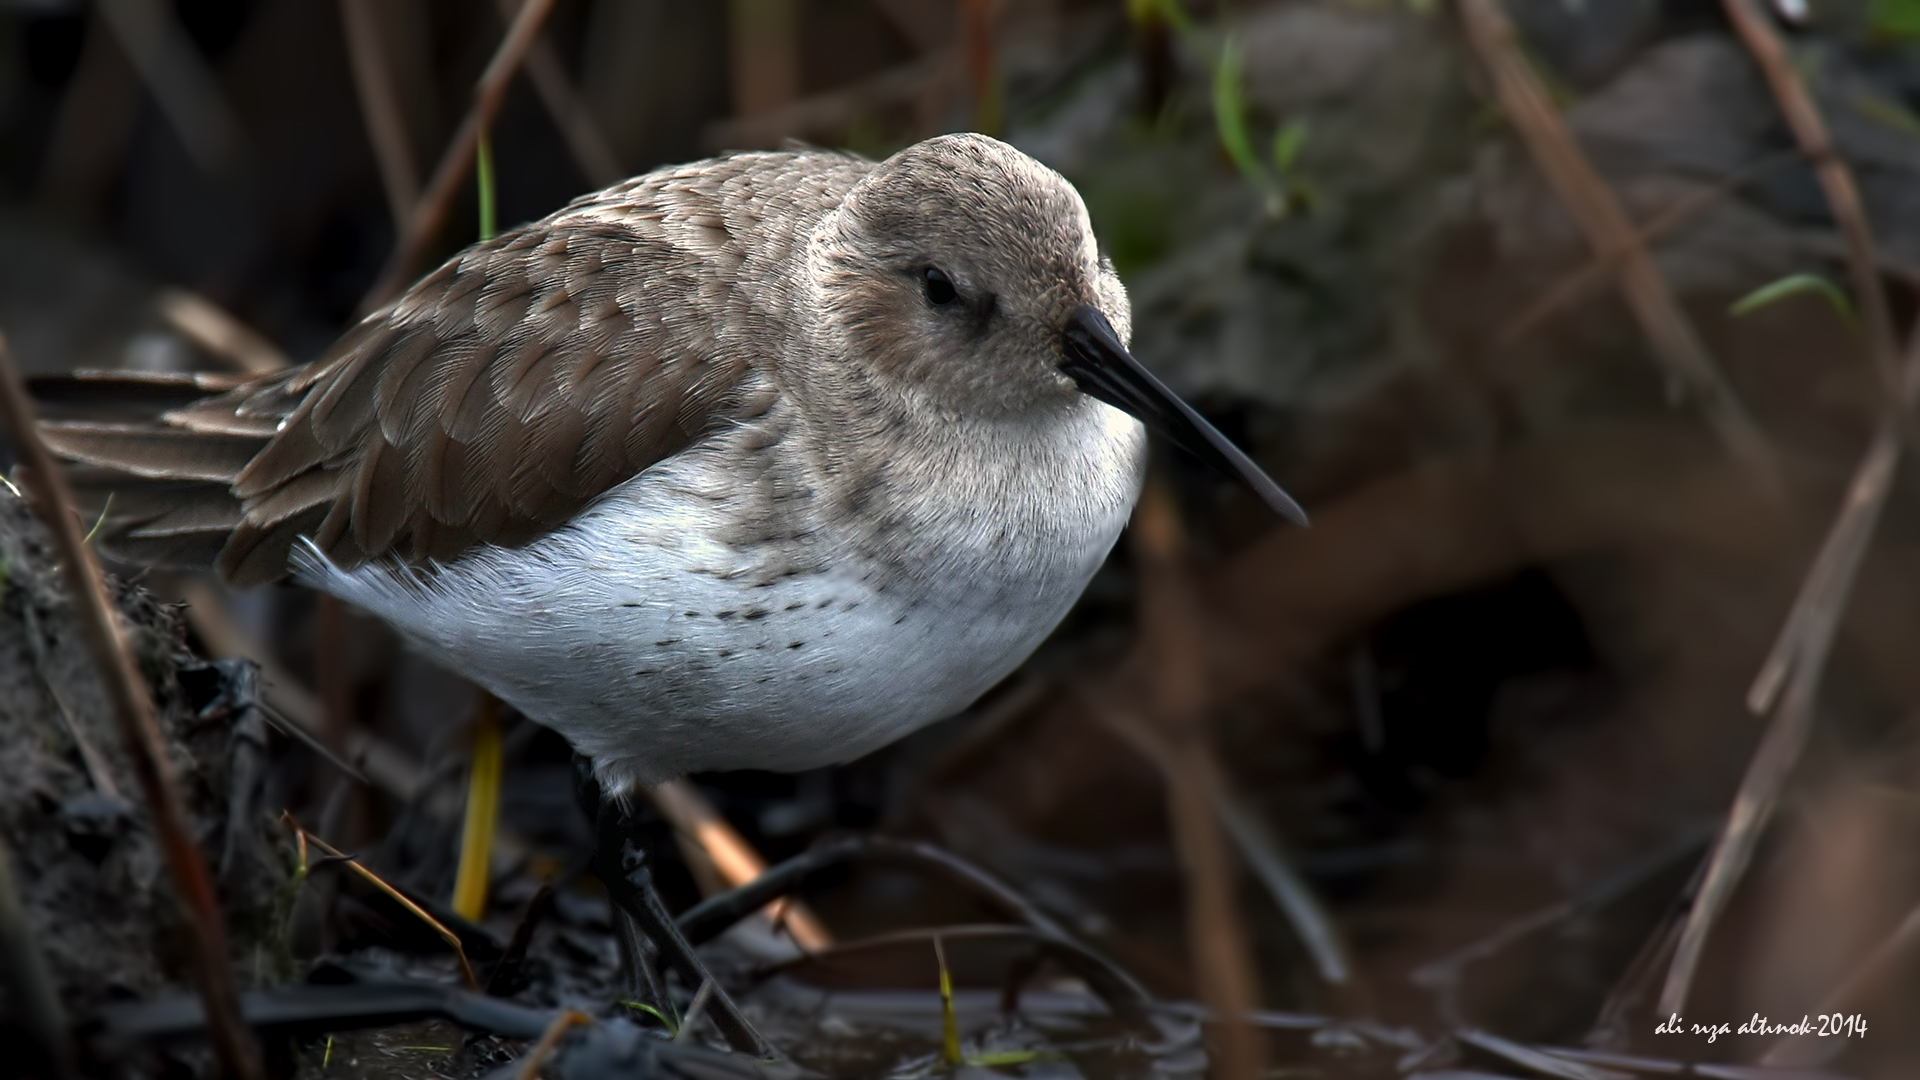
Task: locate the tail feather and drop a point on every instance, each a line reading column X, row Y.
column 217, row 416
column 120, row 394
column 151, row 461
column 254, row 555
column 159, row 453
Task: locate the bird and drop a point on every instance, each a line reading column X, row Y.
column 763, row 461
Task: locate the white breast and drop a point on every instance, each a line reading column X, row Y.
column 644, row 640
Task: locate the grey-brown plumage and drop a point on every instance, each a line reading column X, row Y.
column 759, row 461
column 503, row 392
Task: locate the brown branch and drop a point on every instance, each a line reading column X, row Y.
column 592, row 154
column 139, row 730
column 1601, row 267
column 182, row 85
column 1822, row 599
column 1174, row 736
column 530, row 1065
column 1843, row 199
column 1756, row 30
column 1889, row 958
column 763, row 43
column 1610, row 233
column 88, row 142
column 828, row 115
column 211, row 327
column 380, row 108
column 353, row 863
column 732, row 856
column 430, row 212
column 1799, row 654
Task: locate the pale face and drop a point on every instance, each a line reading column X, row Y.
column 966, row 274
column 955, row 268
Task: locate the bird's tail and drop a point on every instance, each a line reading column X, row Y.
column 152, row 459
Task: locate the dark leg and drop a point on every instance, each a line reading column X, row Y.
column 643, row 979
column 622, row 866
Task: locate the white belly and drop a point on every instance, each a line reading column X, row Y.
column 631, row 632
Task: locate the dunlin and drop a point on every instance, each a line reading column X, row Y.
column 759, row 462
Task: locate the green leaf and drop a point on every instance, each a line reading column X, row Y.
column 1230, row 114
column 1286, row 145
column 1794, row 285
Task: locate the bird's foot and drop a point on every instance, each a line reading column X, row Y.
column 622, row 866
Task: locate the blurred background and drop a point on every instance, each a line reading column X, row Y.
column 1583, row 329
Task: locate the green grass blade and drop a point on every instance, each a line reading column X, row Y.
column 1230, row 114
column 949, row 1022
column 1794, row 285
column 95, row 531
column 483, row 174
column 665, row 1021
column 1287, row 143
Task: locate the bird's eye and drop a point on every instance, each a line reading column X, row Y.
column 939, row 287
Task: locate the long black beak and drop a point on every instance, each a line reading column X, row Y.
column 1106, row 370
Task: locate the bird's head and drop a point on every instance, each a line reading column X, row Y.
column 966, row 274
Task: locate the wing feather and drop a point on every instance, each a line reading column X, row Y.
column 496, row 398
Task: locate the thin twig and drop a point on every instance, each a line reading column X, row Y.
column 1099, row 973
column 695, row 1010
column 1172, row 632
column 139, row 729
column 1610, row 233
column 763, row 43
column 1755, row 28
column 352, row 862
column 1799, row 654
column 1127, row 998
column 1843, row 200
column 828, row 115
column 735, row 859
column 91, row 759
column 1265, row 856
column 1824, row 595
column 181, row 83
column 209, row 326
column 1535, row 1060
column 1597, row 270
column 430, row 212
column 592, row 154
column 1809, row 1048
column 380, row 108
column 23, row 971
column 536, row 1057
column 88, row 141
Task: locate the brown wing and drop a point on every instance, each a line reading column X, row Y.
column 489, row 404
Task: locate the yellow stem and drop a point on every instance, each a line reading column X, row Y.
column 483, row 811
